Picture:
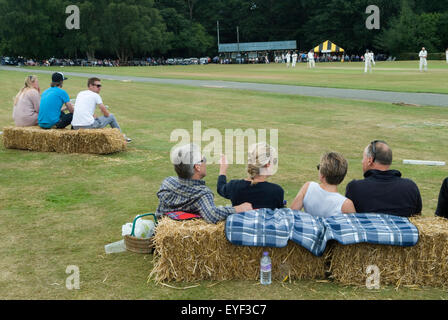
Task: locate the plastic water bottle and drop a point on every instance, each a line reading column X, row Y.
column 115, row 247
column 265, row 269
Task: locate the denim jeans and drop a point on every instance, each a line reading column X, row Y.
column 102, row 122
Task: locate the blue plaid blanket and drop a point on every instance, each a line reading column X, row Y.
column 273, row 228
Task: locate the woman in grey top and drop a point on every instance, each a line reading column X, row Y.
column 323, row 200
column 27, row 103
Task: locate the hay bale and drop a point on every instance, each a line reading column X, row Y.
column 195, row 250
column 425, row 264
column 94, row 141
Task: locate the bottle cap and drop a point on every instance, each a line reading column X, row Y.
column 265, row 253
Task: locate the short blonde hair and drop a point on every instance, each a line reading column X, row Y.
column 333, row 167
column 260, row 155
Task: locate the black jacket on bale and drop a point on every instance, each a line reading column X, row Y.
column 385, row 192
column 442, row 205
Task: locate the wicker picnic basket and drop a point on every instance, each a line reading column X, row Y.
column 139, row 245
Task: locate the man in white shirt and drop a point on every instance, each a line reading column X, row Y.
column 294, row 59
column 423, row 62
column 311, row 62
column 446, row 52
column 84, row 114
column 368, row 61
column 288, row 59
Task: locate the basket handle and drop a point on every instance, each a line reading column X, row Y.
column 140, row 216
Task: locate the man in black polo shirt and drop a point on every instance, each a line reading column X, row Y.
column 383, row 190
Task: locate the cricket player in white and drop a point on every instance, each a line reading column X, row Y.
column 311, row 62
column 446, row 52
column 369, row 60
column 423, row 62
column 294, row 59
column 288, row 59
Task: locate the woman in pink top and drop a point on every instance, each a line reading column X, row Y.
column 26, row 103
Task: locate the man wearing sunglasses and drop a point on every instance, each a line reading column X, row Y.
column 383, row 190
column 85, row 105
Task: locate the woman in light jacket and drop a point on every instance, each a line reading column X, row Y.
column 27, row 103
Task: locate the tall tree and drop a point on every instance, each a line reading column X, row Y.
column 133, row 27
column 89, row 38
column 30, row 27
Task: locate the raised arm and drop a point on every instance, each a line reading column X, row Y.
column 222, row 186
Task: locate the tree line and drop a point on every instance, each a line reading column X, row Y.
column 138, row 28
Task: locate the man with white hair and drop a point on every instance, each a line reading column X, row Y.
column 187, row 192
column 423, row 62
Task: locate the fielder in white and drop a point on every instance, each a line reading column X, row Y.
column 446, row 52
column 288, row 59
column 369, row 60
column 311, row 62
column 423, row 62
column 294, row 59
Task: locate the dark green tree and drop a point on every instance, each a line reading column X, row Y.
column 133, row 27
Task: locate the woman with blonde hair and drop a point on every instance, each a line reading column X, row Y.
column 27, row 103
column 254, row 189
column 323, row 200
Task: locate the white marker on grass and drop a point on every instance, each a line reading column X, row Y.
column 426, row 163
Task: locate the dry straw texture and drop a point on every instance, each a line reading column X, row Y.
column 425, row 264
column 94, row 141
column 194, row 250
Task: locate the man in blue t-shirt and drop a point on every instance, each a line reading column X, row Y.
column 51, row 114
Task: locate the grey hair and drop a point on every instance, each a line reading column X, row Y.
column 383, row 153
column 184, row 158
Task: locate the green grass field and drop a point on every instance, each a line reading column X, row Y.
column 390, row 76
column 58, row 210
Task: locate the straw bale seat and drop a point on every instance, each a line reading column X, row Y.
column 195, row 250
column 94, row 141
column 425, row 264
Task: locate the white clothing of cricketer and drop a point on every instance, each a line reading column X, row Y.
column 369, row 60
column 311, row 62
column 423, row 59
column 294, row 59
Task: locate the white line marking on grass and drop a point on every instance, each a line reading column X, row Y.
column 210, row 86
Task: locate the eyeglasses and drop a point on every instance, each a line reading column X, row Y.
column 97, row 85
column 204, row 160
column 373, row 143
